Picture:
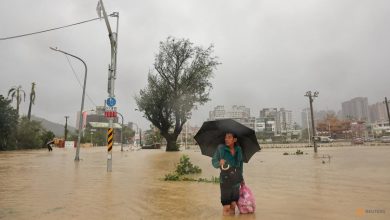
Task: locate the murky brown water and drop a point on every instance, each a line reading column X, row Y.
column 43, row 185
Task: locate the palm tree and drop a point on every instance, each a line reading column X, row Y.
column 32, row 100
column 16, row 92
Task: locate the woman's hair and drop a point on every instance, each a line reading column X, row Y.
column 231, row 132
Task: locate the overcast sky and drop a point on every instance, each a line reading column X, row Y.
column 272, row 51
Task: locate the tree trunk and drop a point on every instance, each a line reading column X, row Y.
column 17, row 101
column 171, row 142
column 29, row 110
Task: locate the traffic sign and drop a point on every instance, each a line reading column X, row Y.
column 111, row 102
column 110, row 114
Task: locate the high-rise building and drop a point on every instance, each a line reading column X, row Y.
column 356, row 109
column 378, row 112
column 269, row 113
column 283, row 121
column 318, row 116
column 270, row 119
column 217, row 113
column 267, row 120
column 240, row 114
column 278, row 121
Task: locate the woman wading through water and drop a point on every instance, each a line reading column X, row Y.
column 228, row 157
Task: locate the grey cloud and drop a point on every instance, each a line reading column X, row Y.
column 272, row 51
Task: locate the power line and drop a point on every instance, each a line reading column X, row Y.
column 78, row 80
column 47, row 30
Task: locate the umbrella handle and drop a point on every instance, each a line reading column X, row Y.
column 228, row 166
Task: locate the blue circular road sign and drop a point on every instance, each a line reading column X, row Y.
column 111, row 102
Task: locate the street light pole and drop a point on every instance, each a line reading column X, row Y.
column 311, row 98
column 77, row 157
column 121, row 131
column 113, row 36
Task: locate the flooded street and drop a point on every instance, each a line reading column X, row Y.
column 50, row 185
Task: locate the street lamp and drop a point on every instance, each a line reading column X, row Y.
column 121, row 131
column 113, row 36
column 77, row 157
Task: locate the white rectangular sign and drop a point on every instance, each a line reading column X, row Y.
column 69, row 144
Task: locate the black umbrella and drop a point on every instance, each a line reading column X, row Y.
column 212, row 134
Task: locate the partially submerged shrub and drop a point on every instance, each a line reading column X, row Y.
column 172, row 177
column 298, row 152
column 205, row 180
column 186, row 167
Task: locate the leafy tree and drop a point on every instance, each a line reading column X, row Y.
column 83, row 139
column 29, row 134
column 32, row 100
column 337, row 128
column 152, row 136
column 181, row 82
column 46, row 137
column 128, row 134
column 17, row 92
column 8, row 123
column 100, row 137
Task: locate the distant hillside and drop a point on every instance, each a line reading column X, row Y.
column 57, row 129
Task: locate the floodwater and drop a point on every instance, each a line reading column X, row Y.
column 353, row 184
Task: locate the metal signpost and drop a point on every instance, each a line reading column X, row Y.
column 113, row 36
column 110, row 113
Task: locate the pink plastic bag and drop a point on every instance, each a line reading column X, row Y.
column 246, row 202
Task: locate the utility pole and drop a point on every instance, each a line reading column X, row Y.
column 308, row 126
column 66, row 127
column 387, row 109
column 311, row 98
column 113, row 36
